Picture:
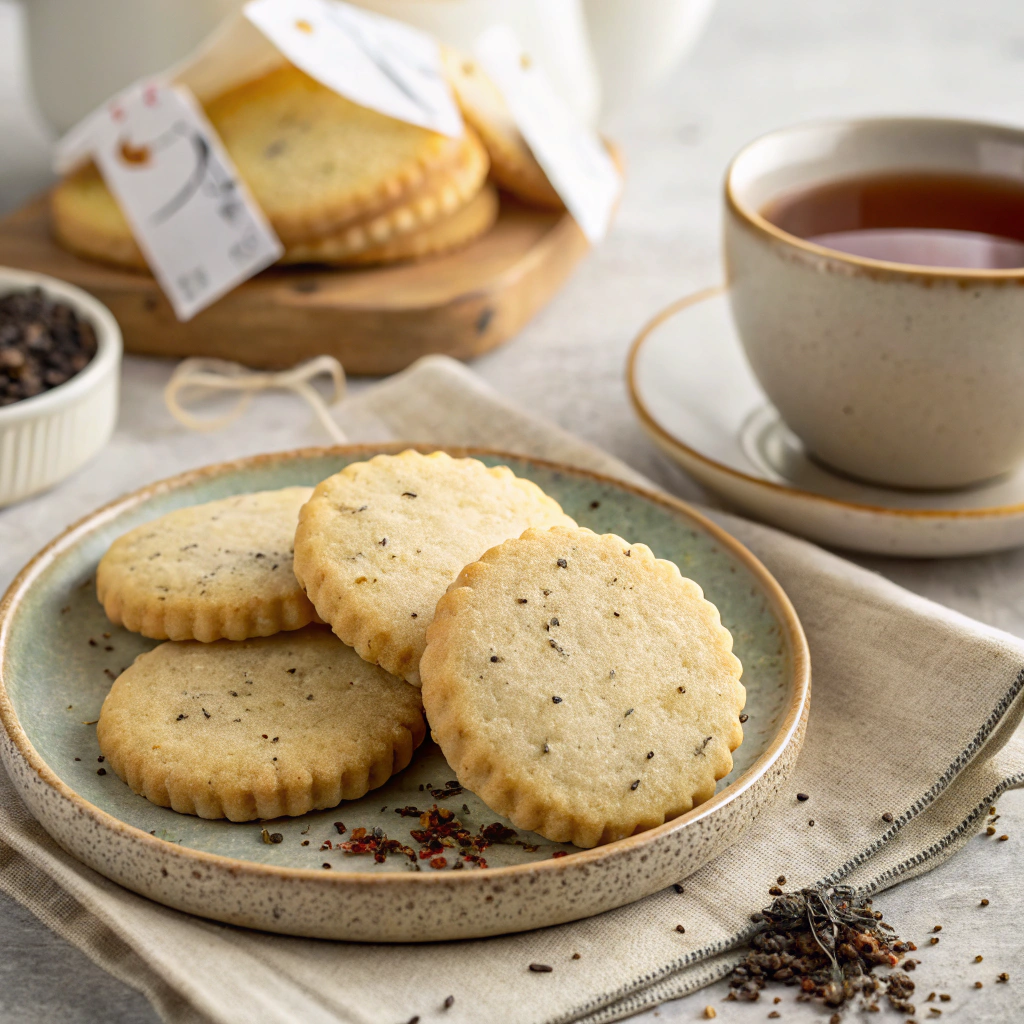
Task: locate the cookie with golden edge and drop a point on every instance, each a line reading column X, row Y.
column 259, row 728
column 582, row 687
column 88, row 221
column 379, row 543
column 314, row 160
column 219, row 570
column 441, row 198
column 513, row 165
column 455, row 231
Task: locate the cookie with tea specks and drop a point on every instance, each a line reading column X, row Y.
column 379, row 543
column 258, row 728
column 221, row 570
column 582, row 687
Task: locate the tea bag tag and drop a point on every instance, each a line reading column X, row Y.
column 372, row 60
column 192, row 216
column 571, row 155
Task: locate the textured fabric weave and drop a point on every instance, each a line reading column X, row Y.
column 913, row 713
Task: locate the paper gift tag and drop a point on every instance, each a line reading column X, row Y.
column 374, row 61
column 576, row 163
column 193, row 218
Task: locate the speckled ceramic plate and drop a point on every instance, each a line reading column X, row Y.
column 697, row 397
column 58, row 656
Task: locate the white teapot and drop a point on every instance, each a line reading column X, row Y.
column 598, row 53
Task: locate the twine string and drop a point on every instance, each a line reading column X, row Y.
column 201, row 377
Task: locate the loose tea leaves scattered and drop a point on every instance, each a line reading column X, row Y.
column 826, row 942
column 441, row 835
column 43, row 343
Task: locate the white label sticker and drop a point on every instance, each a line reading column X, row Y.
column 576, row 163
column 193, row 218
column 374, row 61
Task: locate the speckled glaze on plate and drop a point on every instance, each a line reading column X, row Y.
column 53, row 681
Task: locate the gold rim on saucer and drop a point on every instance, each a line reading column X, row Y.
column 684, row 452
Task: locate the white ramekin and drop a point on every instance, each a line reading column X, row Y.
column 46, row 438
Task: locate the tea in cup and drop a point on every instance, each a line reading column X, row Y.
column 876, row 277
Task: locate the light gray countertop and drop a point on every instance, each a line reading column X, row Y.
column 760, row 65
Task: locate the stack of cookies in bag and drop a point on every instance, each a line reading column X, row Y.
column 577, row 684
column 340, row 184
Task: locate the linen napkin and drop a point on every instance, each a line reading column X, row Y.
column 913, row 713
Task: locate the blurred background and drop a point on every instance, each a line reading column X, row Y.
column 754, row 67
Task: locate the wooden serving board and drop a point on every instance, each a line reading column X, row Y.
column 375, row 321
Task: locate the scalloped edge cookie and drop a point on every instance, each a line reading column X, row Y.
column 455, row 231
column 314, row 160
column 513, row 165
column 442, row 198
column 87, row 220
column 174, row 578
column 582, row 687
column 379, row 543
column 260, row 728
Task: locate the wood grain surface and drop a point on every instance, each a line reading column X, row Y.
column 374, row 321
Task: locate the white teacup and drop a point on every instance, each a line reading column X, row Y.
column 904, row 375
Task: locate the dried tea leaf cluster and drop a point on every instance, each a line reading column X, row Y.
column 827, row 942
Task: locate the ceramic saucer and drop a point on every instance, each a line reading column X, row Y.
column 698, row 398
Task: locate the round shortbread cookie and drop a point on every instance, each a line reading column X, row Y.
column 455, row 231
column 315, row 160
column 442, row 197
column 582, row 687
column 259, row 728
column 513, row 165
column 88, row 221
column 378, row 544
column 213, row 571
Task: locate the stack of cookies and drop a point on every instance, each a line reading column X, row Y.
column 577, row 684
column 339, row 183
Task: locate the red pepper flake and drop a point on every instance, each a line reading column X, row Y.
column 439, row 831
column 559, row 853
column 541, row 968
column 498, row 833
column 376, row 843
column 340, row 826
